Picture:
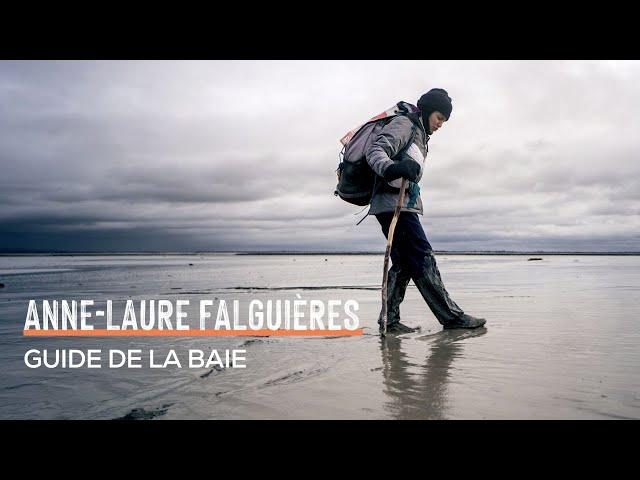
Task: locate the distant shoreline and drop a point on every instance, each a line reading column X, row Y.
column 291, row 253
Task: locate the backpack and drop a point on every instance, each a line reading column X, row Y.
column 356, row 179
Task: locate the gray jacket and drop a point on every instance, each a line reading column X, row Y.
column 390, row 141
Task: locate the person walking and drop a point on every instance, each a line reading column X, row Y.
column 399, row 151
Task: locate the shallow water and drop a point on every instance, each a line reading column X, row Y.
column 561, row 341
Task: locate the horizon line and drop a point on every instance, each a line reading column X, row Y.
column 11, row 252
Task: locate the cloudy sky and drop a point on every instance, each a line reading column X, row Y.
column 240, row 155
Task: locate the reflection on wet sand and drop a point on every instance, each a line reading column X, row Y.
column 418, row 390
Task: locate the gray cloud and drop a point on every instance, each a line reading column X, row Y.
column 241, row 155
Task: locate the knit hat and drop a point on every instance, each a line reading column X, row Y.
column 436, row 100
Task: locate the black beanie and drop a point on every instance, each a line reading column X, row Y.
column 434, row 100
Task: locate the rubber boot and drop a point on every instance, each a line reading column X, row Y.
column 397, row 281
column 446, row 311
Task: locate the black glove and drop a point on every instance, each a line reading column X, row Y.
column 407, row 169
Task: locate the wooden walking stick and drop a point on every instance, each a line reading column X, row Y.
column 385, row 273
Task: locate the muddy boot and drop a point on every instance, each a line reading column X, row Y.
column 398, row 328
column 466, row 321
column 397, row 281
column 446, row 311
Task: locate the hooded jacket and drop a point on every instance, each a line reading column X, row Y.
column 392, row 140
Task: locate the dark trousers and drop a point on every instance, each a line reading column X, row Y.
column 412, row 258
column 410, row 244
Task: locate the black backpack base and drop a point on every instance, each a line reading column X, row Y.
column 355, row 182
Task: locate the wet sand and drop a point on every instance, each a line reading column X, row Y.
column 561, row 341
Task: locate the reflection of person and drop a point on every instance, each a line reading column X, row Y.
column 399, row 152
column 421, row 394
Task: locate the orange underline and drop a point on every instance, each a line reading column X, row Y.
column 191, row 333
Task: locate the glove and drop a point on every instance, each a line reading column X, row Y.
column 407, row 169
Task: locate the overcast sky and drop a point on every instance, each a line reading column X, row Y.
column 240, row 155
